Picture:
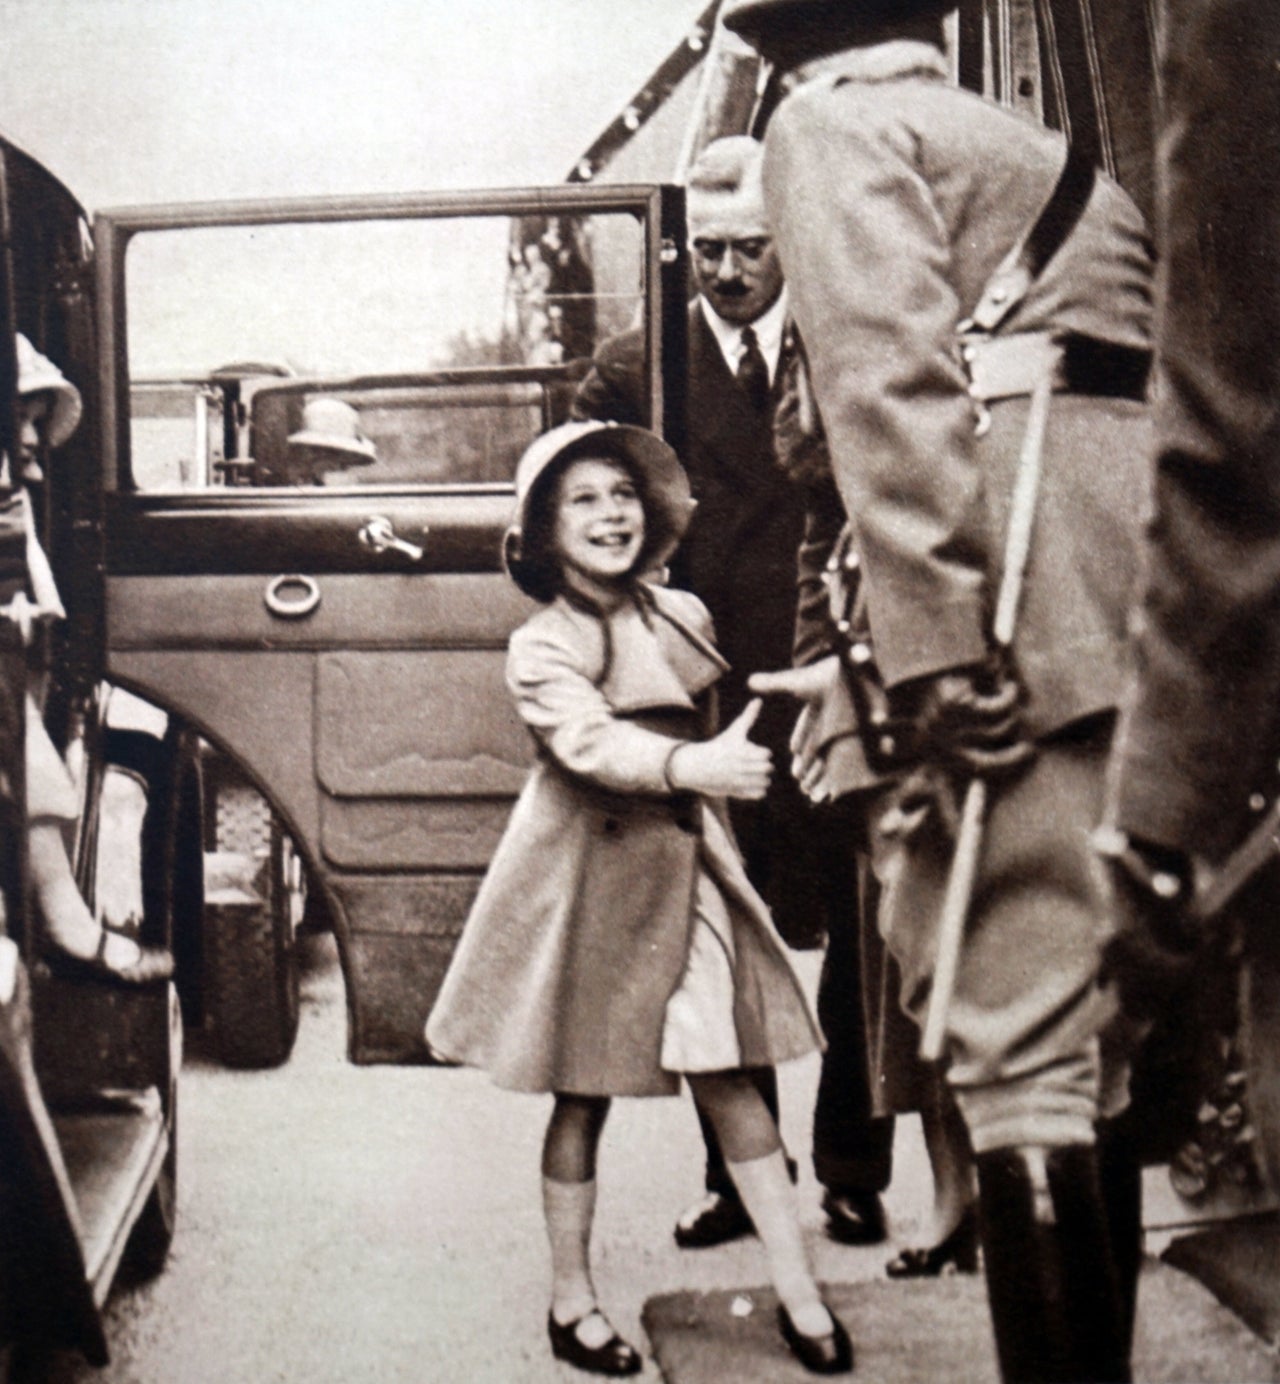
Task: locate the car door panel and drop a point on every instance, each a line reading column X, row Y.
column 282, row 531
column 404, row 725
column 444, row 610
column 384, row 833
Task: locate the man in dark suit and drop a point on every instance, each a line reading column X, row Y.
column 739, row 556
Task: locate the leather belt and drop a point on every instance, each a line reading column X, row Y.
column 1005, row 367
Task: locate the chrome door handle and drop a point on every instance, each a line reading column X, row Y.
column 379, row 534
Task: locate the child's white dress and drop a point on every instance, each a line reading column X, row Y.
column 698, row 1033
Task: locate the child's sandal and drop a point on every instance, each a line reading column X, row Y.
column 153, row 964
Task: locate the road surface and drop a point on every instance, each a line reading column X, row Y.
column 342, row 1224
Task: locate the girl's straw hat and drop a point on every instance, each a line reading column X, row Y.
column 37, row 374
column 663, row 485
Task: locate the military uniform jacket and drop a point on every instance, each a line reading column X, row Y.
column 893, row 198
column 1204, row 731
column 580, row 932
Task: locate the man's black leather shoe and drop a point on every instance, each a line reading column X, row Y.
column 715, row 1220
column 854, row 1218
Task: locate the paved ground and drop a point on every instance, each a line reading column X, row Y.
column 341, row 1224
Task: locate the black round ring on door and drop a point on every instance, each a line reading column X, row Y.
column 291, row 606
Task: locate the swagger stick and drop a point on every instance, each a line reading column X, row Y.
column 964, row 863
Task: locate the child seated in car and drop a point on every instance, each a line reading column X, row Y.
column 76, row 944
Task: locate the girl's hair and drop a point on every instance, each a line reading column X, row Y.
column 541, row 575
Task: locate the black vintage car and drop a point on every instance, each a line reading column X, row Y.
column 313, row 664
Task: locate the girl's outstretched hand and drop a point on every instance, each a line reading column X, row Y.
column 729, row 766
column 811, row 686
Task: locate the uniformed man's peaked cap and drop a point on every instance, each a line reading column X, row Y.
column 760, row 20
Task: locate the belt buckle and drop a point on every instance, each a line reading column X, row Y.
column 981, row 413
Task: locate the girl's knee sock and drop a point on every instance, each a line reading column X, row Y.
column 767, row 1194
column 569, row 1208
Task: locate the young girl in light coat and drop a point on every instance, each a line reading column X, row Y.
column 616, row 943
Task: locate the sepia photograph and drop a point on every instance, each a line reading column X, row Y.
column 639, row 691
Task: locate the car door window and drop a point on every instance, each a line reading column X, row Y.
column 451, row 340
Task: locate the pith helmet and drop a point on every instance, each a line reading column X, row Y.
column 334, row 426
column 37, row 374
column 661, row 480
column 759, row 20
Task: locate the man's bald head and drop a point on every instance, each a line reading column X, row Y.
column 733, row 255
column 726, row 177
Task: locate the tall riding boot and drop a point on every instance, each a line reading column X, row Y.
column 1120, row 1173
column 1055, row 1298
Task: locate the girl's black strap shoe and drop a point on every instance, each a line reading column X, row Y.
column 830, row 1354
column 614, row 1357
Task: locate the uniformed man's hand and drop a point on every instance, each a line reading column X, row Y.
column 811, row 764
column 967, row 717
column 728, row 766
column 928, row 794
column 1157, row 947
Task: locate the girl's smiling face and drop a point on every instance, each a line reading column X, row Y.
column 599, row 523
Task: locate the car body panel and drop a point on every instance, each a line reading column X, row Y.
column 360, row 687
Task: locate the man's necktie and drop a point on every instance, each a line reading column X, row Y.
column 753, row 372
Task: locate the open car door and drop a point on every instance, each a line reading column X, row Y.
column 339, row 635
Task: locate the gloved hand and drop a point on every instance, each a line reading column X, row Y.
column 929, row 792
column 1157, row 947
column 965, row 718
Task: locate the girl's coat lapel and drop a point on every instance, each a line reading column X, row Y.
column 639, row 676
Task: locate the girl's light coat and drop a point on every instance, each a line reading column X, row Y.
column 580, row 931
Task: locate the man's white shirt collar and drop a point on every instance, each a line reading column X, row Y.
column 767, row 327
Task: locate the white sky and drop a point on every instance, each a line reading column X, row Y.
column 145, row 100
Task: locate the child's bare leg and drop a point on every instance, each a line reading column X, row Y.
column 569, row 1202
column 68, row 923
column 752, row 1148
column 66, row 916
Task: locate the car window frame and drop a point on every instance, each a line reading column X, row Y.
column 658, row 207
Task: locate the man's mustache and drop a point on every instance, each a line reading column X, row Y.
column 736, row 289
